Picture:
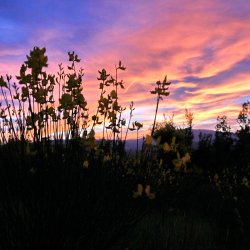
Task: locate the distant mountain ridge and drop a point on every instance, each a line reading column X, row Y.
column 131, row 144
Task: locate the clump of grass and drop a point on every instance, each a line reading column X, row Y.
column 171, row 230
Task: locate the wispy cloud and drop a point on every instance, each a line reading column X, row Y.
column 203, row 47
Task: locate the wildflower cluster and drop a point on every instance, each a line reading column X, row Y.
column 157, row 165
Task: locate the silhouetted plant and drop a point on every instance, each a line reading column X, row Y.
column 243, row 135
column 203, row 155
column 244, row 117
column 167, row 129
column 103, row 103
column 189, row 129
column 160, row 90
column 131, row 108
column 136, row 126
column 222, row 145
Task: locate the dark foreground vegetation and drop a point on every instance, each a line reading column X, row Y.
column 60, row 188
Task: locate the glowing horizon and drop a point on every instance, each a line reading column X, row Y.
column 203, row 48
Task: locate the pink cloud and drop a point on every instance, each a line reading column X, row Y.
column 175, row 38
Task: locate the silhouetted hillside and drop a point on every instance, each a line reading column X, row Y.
column 131, row 144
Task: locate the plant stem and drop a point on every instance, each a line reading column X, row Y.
column 156, row 111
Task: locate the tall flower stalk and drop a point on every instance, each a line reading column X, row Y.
column 160, row 90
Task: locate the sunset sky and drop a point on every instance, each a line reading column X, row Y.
column 202, row 46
